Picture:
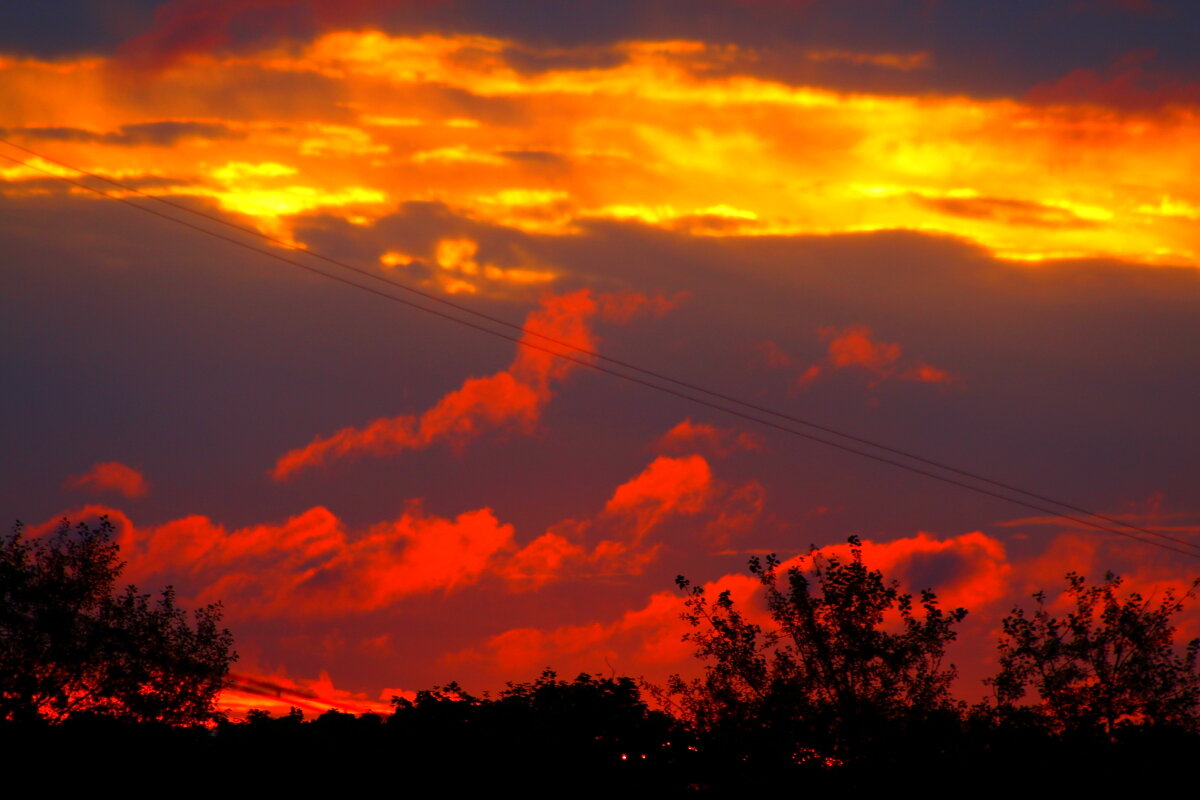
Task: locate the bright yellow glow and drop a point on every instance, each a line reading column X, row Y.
column 518, row 275
column 390, row 122
column 34, row 168
column 458, row 154
column 460, row 272
column 393, row 258
column 1169, row 207
column 236, row 170
column 291, row 200
column 676, row 134
column 339, row 140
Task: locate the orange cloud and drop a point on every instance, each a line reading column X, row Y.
column 662, row 133
column 510, row 399
column 459, row 272
column 853, row 347
column 688, row 436
column 111, row 476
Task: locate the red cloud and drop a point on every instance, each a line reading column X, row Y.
column 971, row 570
column 1127, row 85
column 512, row 398
column 775, row 355
column 640, row 640
column 923, row 373
column 197, row 27
column 668, row 487
column 310, row 566
column 688, row 436
column 278, row 694
column 853, row 347
column 111, row 476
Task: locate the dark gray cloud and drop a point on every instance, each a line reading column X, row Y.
column 1005, row 210
column 160, row 133
column 72, row 27
column 539, row 157
column 980, row 47
column 530, row 61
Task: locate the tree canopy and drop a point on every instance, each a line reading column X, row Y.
column 1109, row 662
column 846, row 652
column 71, row 643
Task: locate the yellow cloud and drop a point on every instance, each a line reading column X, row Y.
column 657, row 134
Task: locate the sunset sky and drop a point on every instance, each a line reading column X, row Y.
column 967, row 230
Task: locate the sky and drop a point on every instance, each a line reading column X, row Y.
column 967, row 230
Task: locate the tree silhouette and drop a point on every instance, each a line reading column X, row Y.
column 72, row 645
column 1109, row 663
column 841, row 667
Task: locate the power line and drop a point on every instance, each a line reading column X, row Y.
column 1192, row 551
column 374, row 275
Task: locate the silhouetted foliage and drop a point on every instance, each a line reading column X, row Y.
column 554, row 733
column 591, row 717
column 843, row 689
column 847, row 666
column 72, row 645
column 1110, row 663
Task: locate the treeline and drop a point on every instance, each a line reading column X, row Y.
column 840, row 684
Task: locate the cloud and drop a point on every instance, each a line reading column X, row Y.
column 455, row 268
column 900, row 61
column 1128, row 84
column 668, row 487
column 278, row 693
column 854, row 347
column 1007, row 211
column 971, row 570
column 511, row 399
column 111, row 476
column 647, row 639
column 184, row 28
column 355, row 107
column 161, row 133
column 688, row 436
column 310, row 566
